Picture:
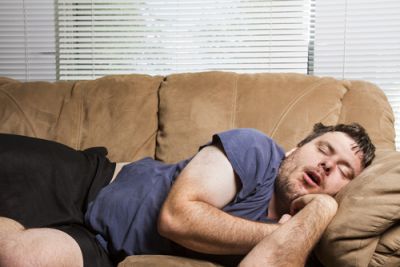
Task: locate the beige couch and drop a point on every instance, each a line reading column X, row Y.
column 169, row 117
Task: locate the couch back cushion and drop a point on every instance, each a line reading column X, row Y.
column 365, row 231
column 193, row 106
column 118, row 112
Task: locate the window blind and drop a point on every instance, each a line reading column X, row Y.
column 27, row 40
column 100, row 37
column 360, row 39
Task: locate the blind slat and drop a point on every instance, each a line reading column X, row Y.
column 27, row 40
column 181, row 35
column 359, row 39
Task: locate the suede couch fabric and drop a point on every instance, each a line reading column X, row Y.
column 284, row 106
column 365, row 231
column 118, row 112
column 169, row 117
column 164, row 261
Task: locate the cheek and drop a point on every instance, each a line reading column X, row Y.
column 336, row 184
column 308, row 159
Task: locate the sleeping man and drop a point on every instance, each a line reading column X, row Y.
column 239, row 196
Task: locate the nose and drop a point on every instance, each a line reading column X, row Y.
column 327, row 166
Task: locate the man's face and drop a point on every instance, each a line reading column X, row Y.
column 324, row 165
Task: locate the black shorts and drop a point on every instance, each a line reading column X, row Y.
column 47, row 184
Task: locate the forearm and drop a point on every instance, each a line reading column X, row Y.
column 292, row 242
column 204, row 228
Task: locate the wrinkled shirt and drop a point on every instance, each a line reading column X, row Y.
column 124, row 214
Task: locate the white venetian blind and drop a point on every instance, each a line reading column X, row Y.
column 360, row 39
column 27, row 40
column 100, row 37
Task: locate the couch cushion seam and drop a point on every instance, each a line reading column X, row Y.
column 13, row 100
column 80, row 118
column 293, row 103
column 234, row 102
column 341, row 114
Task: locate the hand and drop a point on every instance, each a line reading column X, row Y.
column 314, row 213
column 324, row 201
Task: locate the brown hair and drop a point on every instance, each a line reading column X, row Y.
column 353, row 130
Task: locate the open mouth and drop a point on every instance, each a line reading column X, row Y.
column 312, row 178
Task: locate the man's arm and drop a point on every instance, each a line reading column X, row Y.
column 191, row 215
column 290, row 244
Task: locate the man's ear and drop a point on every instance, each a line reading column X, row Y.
column 291, row 151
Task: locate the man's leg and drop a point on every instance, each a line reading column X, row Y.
column 45, row 187
column 36, row 247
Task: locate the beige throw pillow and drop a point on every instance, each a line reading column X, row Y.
column 365, row 231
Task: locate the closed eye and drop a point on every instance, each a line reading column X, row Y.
column 342, row 173
column 324, row 149
column 345, row 173
column 346, row 170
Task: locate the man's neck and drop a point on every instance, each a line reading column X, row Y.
column 275, row 209
column 272, row 214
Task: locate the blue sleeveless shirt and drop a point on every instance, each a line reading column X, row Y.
column 124, row 214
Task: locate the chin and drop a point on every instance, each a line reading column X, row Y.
column 288, row 193
column 296, row 190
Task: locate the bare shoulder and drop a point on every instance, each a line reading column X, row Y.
column 208, row 177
